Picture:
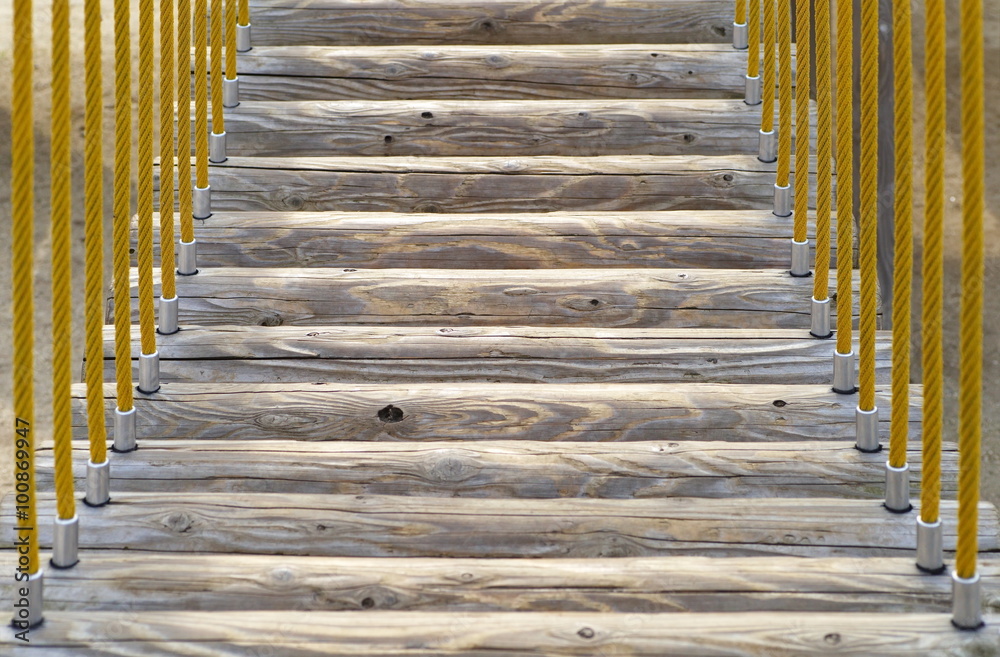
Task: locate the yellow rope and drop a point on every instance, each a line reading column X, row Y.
column 94, row 239
column 903, row 259
column 803, row 61
column 245, row 11
column 167, row 73
column 933, row 261
column 785, row 94
column 767, row 82
column 824, row 129
column 62, row 297
column 184, row 120
column 218, row 120
column 23, row 219
column 231, row 39
column 845, row 172
column 200, row 94
column 753, row 39
column 122, row 184
column 970, row 382
column 869, row 203
column 740, row 19
column 144, row 166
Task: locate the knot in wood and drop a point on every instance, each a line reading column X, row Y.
column 451, row 467
column 390, row 414
column 179, row 522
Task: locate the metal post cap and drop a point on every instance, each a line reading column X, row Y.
column 217, row 147
column 867, row 429
column 65, row 542
column 800, row 259
column 124, row 430
column 98, row 483
column 202, row 203
column 168, row 316
column 767, row 150
column 187, row 258
column 966, row 602
column 820, row 316
column 753, row 90
column 740, row 41
column 28, row 608
column 930, row 546
column 843, row 373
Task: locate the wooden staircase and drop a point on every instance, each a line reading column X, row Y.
column 493, row 350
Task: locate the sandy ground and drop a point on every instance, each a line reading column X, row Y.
column 991, row 379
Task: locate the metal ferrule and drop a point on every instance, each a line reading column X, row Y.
column 187, row 258
column 149, row 373
column 168, row 316
column 202, row 203
column 217, row 147
column 930, row 546
column 65, row 542
column 782, row 200
column 966, row 602
column 843, row 373
column 820, row 319
column 800, row 259
column 897, row 488
column 231, row 92
column 740, row 36
column 767, row 150
column 752, row 94
column 98, row 483
column 124, row 430
column 28, row 608
column 243, row 38
column 867, row 430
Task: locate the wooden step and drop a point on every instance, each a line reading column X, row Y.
column 474, row 634
column 729, row 239
column 288, row 354
column 496, row 411
column 450, row 72
column 495, row 128
column 484, row 184
column 504, row 469
column 622, row 298
column 292, row 22
column 400, row 526
column 169, row 582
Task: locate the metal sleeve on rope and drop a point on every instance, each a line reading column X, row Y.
column 824, row 153
column 803, row 80
column 784, row 96
column 144, row 167
column 845, row 172
column 167, row 75
column 739, row 24
column 869, row 204
column 122, row 190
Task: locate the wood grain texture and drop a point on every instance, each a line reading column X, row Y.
column 293, row 22
column 504, row 469
column 730, row 239
column 485, row 411
column 284, row 354
column 475, row 634
column 623, row 298
column 168, row 582
column 400, row 526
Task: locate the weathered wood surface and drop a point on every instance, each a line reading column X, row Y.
column 491, row 72
column 730, row 239
column 634, row 298
column 168, row 582
column 487, row 411
column 293, row 22
column 284, row 354
column 485, row 184
column 475, row 634
column 400, row 526
column 504, row 469
column 496, row 128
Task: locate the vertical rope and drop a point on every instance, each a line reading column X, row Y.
column 869, row 203
column 144, row 201
column 753, row 39
column 218, row 119
column 767, row 83
column 785, row 94
column 62, row 297
column 845, row 172
column 200, row 93
column 184, row 120
column 93, row 164
column 824, row 129
column 803, row 81
column 933, row 264
column 971, row 319
column 23, row 220
column 167, row 73
column 122, row 185
column 740, row 18
column 231, row 39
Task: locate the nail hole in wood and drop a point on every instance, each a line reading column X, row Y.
column 390, row 414
column 780, row 403
column 427, row 115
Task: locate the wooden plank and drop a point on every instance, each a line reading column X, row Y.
column 503, row 469
column 168, row 582
column 495, row 411
column 399, row 526
column 447, row 71
column 495, row 128
column 283, row 354
column 318, row 22
column 634, row 298
column 474, row 634
column 482, row 184
column 730, row 239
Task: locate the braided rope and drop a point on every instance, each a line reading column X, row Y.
column 740, row 17
column 933, row 261
column 845, row 172
column 167, row 73
column 200, row 93
column 869, row 203
column 767, row 83
column 231, row 39
column 803, row 80
column 970, row 381
column 218, row 116
column 122, row 185
column 184, row 120
column 23, row 219
column 244, row 16
column 785, row 93
column 753, row 39
column 824, row 129
column 144, row 167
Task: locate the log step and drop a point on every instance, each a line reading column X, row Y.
column 495, row 72
column 170, row 582
column 496, row 411
column 399, row 526
column 288, row 354
column 729, row 239
column 292, row 22
column 504, row 469
column 622, row 298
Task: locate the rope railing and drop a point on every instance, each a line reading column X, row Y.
column 820, row 307
column 752, row 92
column 803, row 81
column 231, row 84
column 739, row 25
column 168, row 285
column 217, row 145
column 768, row 143
column 782, row 188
